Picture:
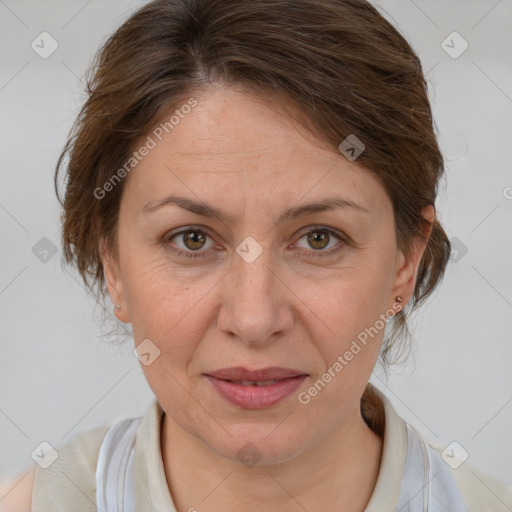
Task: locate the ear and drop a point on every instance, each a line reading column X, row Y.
column 114, row 281
column 408, row 265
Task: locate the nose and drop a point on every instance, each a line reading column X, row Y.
column 257, row 304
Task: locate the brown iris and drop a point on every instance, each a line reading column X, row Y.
column 194, row 239
column 318, row 239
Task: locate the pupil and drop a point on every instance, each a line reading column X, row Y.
column 317, row 237
column 195, row 238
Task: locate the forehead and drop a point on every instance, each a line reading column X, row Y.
column 229, row 124
column 232, row 143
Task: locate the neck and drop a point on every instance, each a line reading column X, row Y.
column 338, row 474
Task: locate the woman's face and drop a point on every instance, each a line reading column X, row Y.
column 265, row 283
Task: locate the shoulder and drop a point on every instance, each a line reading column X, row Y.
column 479, row 490
column 72, row 476
column 68, row 472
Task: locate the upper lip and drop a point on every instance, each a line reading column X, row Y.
column 239, row 373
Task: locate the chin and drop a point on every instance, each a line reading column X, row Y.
column 253, row 446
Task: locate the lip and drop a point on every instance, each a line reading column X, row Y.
column 253, row 396
column 241, row 373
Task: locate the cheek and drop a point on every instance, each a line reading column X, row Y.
column 348, row 307
column 349, row 351
column 356, row 291
column 164, row 306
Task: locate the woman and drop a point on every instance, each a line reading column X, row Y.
column 254, row 183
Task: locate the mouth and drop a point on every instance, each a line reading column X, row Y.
column 256, row 389
column 253, row 382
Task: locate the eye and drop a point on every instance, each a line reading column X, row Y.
column 193, row 240
column 320, row 238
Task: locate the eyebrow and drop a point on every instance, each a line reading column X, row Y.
column 206, row 210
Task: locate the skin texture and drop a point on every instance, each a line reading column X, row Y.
column 294, row 306
column 16, row 494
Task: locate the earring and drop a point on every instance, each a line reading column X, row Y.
column 117, row 306
column 399, row 299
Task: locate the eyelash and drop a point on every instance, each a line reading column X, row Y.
column 202, row 254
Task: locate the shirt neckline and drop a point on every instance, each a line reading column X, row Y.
column 152, row 492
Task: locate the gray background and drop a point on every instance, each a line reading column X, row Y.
column 59, row 376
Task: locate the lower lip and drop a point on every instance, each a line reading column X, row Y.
column 256, row 397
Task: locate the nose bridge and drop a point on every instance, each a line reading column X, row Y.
column 252, row 268
column 253, row 307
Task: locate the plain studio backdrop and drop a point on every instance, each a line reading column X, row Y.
column 60, row 377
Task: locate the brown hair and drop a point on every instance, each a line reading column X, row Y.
column 346, row 68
